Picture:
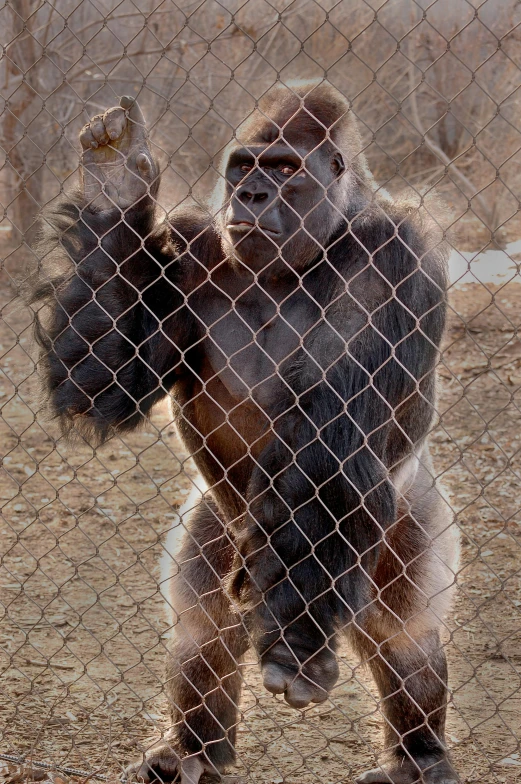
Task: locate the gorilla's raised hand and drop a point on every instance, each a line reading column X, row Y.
column 117, row 166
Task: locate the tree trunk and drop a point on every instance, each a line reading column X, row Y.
column 23, row 156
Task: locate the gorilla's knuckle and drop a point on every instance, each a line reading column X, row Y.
column 302, row 680
column 276, row 677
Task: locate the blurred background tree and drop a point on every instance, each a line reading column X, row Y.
column 435, row 88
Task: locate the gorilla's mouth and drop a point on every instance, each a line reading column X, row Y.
column 245, row 226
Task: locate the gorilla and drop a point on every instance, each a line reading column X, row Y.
column 295, row 324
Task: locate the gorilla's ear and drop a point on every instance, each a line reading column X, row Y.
column 337, row 164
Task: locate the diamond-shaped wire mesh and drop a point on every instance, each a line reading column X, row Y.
column 276, row 523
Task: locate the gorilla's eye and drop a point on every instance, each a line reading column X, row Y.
column 246, row 167
column 287, row 170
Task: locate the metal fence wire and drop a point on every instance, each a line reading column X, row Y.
column 255, row 497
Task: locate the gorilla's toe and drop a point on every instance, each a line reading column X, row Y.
column 163, row 764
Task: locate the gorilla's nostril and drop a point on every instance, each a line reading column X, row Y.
column 254, row 196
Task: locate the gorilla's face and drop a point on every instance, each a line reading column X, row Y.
column 280, row 203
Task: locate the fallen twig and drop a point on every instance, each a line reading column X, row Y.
column 47, row 766
column 48, row 664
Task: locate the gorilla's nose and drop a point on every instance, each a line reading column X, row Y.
column 252, row 193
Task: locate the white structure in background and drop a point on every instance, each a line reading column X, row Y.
column 491, row 266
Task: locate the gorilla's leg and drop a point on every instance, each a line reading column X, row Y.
column 203, row 683
column 411, row 676
column 399, row 637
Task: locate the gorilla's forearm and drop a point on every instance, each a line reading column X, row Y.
column 314, row 532
column 108, row 315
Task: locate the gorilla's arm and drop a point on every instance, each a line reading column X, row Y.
column 111, row 319
column 321, row 494
column 111, row 316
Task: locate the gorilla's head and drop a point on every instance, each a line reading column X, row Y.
column 291, row 175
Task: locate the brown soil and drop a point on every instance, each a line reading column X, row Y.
column 82, row 637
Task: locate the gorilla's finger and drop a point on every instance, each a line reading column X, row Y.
column 115, row 122
column 97, row 129
column 298, row 690
column 86, row 138
column 303, row 688
column 137, row 125
column 300, row 693
column 275, row 678
column 144, row 165
column 320, row 695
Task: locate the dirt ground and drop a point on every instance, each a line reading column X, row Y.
column 83, row 633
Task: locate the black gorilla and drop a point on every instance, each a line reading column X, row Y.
column 297, row 334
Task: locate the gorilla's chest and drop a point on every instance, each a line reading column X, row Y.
column 250, row 342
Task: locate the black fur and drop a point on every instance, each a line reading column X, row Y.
column 299, row 463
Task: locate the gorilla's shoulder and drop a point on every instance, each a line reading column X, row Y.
column 402, row 219
column 196, row 237
column 189, row 222
column 395, row 228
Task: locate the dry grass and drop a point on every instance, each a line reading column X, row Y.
column 82, row 643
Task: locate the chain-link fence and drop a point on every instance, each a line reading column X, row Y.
column 224, row 491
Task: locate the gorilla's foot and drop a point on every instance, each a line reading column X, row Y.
column 163, row 764
column 423, row 770
column 310, row 682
